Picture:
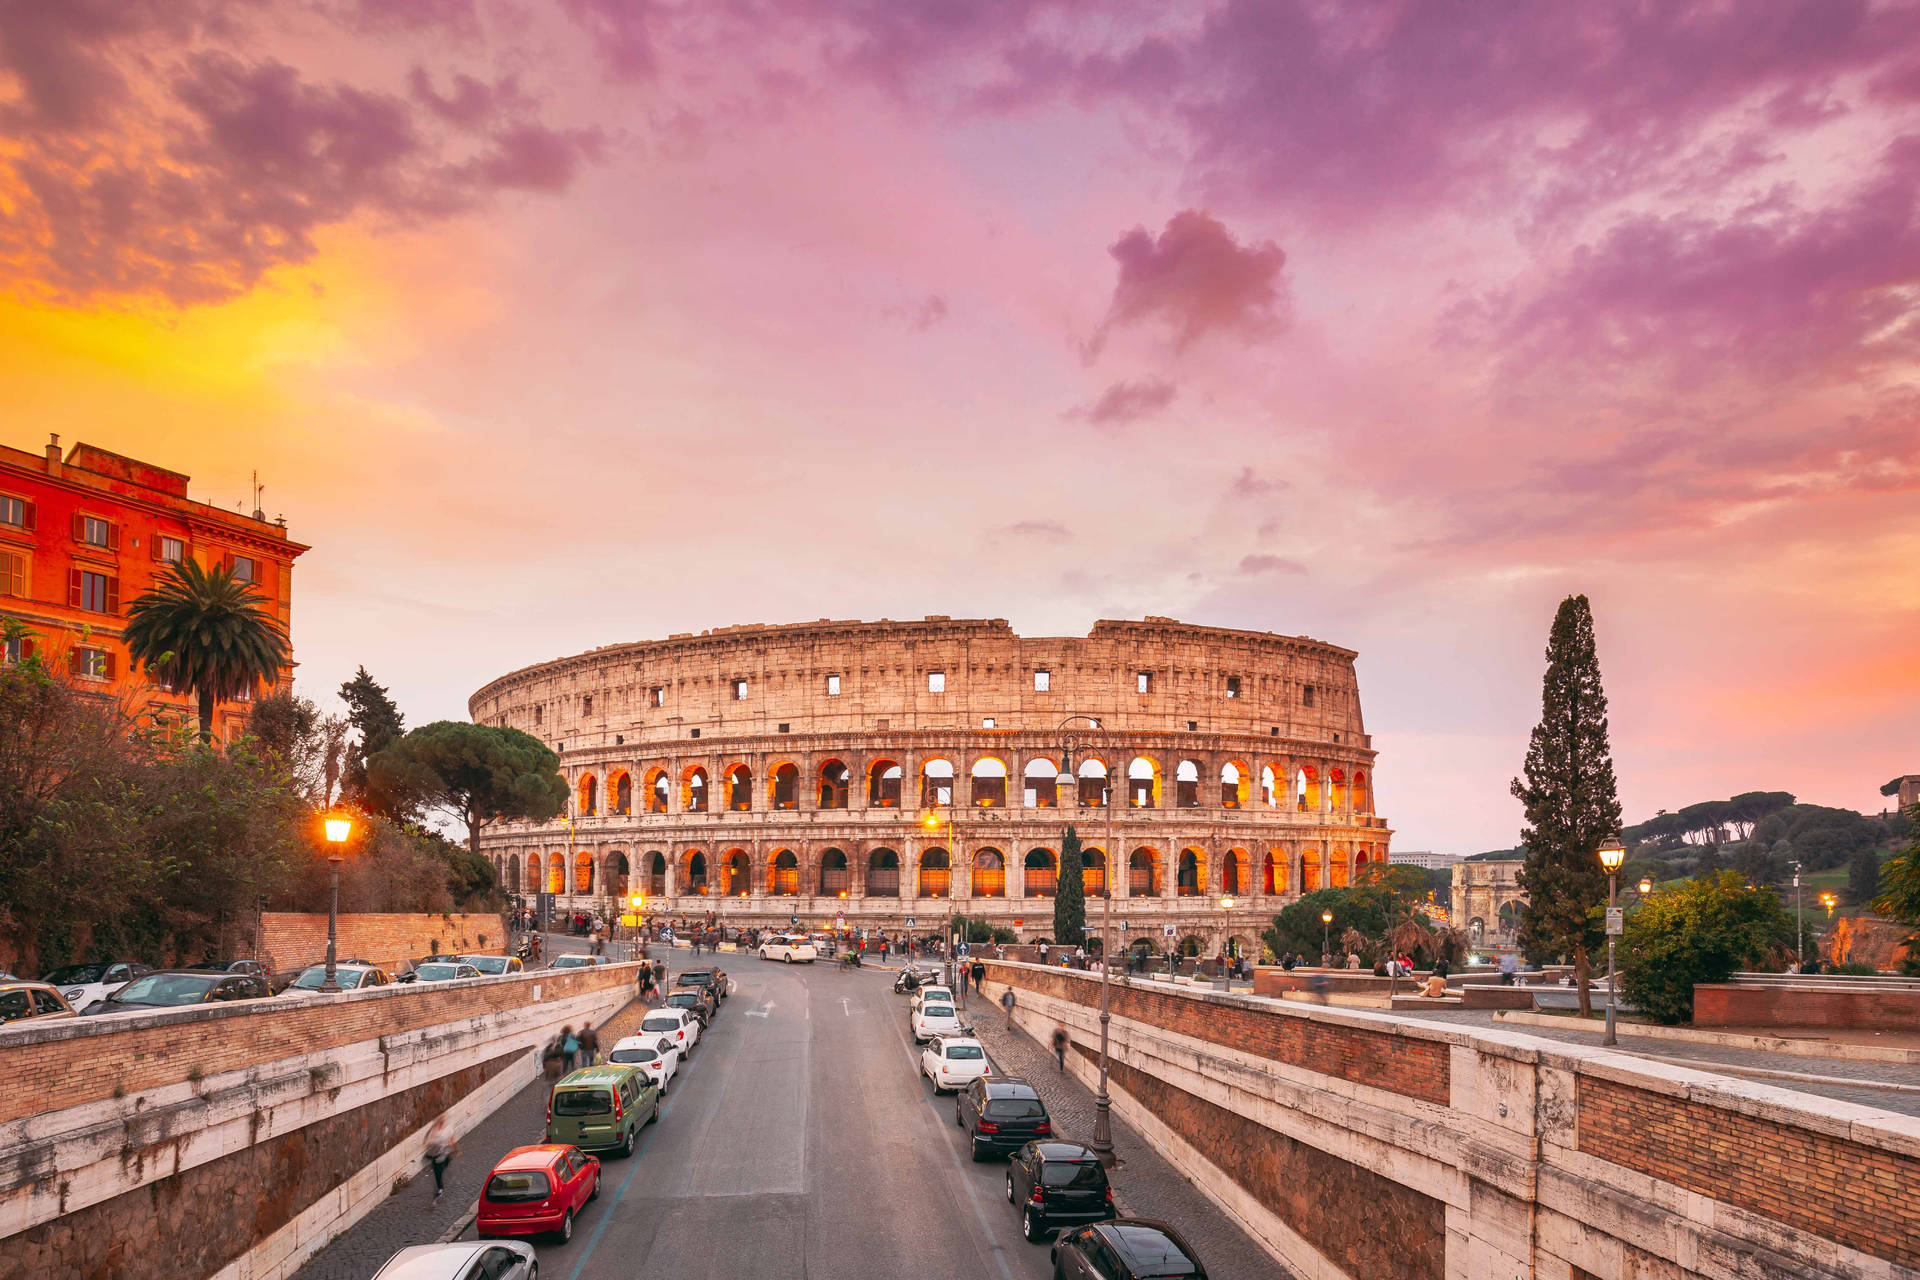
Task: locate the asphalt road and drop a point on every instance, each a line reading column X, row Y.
column 800, row 1141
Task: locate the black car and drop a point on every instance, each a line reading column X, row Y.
column 694, row 1001
column 171, row 989
column 1057, row 1184
column 1001, row 1115
column 1125, row 1249
column 712, row 978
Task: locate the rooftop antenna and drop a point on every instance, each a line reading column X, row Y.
column 258, row 489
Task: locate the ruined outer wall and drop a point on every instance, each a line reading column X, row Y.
column 1484, row 1153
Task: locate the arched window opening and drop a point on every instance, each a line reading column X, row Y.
column 989, row 780
column 620, row 794
column 1234, row 782
column 1192, row 879
column 737, row 880
column 1337, row 790
column 783, row 877
column 836, row 785
column 1269, row 787
column 783, row 791
column 614, row 877
column 513, row 873
column 883, row 785
column 1309, row 868
column 1362, row 792
column 1278, row 871
column 1093, row 784
column 1042, row 877
column 1359, row 862
column 935, row 874
column 1143, row 874
column 883, row 874
column 1337, row 868
column 835, row 880
column 556, row 873
column 1186, row 785
column 1233, row 872
column 1192, row 946
column 589, row 795
column 1308, row 790
column 695, row 881
column 656, row 791
column 989, row 874
column 936, row 784
column 1143, row 784
column 583, row 872
column 1040, row 783
column 693, row 791
column 739, row 789
column 1093, row 871
column 534, row 883
column 656, row 875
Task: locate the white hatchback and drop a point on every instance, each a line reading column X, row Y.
column 932, row 1019
column 658, row 1056
column 85, row 984
column 934, row 994
column 677, row 1025
column 954, row 1062
column 792, row 949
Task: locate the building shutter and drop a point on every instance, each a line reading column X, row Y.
column 79, row 526
column 73, row 662
column 30, row 516
column 73, row 588
column 113, row 536
column 113, row 664
column 154, row 543
column 113, row 595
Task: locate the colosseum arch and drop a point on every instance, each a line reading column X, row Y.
column 1186, row 785
column 1337, row 867
column 694, row 873
column 1040, row 783
column 1310, row 868
column 1337, row 794
column 739, row 782
column 583, row 872
column 989, row 874
column 1279, row 871
column 615, row 875
column 1308, row 790
column 936, row 783
column 1192, row 878
column 655, row 788
column 836, row 878
column 534, row 882
column 1092, row 775
column 656, row 865
column 1362, row 792
column 1270, row 786
column 1235, row 872
column 620, row 793
column 693, row 789
column 1143, row 873
column 589, row 795
column 883, row 874
column 783, row 786
column 556, row 873
column 987, row 783
column 1236, row 783
column 1143, row 783
column 736, row 873
column 512, row 881
column 836, row 785
column 1093, row 873
column 936, row 874
column 783, row 874
column 1040, row 874
column 883, row 784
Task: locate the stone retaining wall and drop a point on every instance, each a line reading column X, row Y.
column 1735, row 1005
column 1463, row 1154
column 392, row 941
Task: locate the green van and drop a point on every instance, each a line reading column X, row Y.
column 602, row 1108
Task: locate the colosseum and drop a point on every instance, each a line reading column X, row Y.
column 886, row 774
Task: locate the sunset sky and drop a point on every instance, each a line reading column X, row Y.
column 554, row 323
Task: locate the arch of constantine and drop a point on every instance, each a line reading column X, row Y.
column 877, row 773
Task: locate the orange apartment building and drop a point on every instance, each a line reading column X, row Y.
column 82, row 537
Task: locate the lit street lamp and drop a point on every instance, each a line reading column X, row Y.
column 1612, row 854
column 1102, row 1143
column 338, row 827
column 1326, row 938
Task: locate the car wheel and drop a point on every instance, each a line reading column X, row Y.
column 566, row 1227
column 959, row 1121
column 533, row 1271
column 1010, row 1199
column 655, row 1119
column 1035, row 1229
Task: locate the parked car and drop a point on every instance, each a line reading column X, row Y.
column 82, row 984
column 444, row 971
column 577, row 961
column 937, row 993
column 31, row 1002
column 711, row 978
column 1000, row 1115
column 1125, row 1249
column 537, row 1191
column 352, row 975
column 602, row 1108
column 174, row 988
column 953, row 1062
column 789, row 949
column 682, row 1026
column 462, row 1260
column 695, row 1001
column 933, row 1019
column 257, row 968
column 657, row 1055
column 1057, row 1184
column 494, row 966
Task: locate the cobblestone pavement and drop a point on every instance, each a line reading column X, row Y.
column 1145, row 1185
column 412, row 1215
column 1710, row 1056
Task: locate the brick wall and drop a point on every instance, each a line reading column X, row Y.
column 1771, row 1006
column 1415, row 1068
column 1861, row 1196
column 130, row 1053
column 297, row 939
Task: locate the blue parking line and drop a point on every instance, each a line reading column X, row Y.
column 633, row 1167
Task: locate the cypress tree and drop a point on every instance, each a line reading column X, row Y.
column 1571, row 802
column 379, row 724
column 1070, row 893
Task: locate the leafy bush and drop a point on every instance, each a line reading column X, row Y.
column 1696, row 931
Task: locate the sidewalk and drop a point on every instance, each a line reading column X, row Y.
column 1145, row 1185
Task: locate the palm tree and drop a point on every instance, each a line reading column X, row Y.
column 207, row 633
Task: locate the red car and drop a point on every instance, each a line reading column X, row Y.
column 537, row 1190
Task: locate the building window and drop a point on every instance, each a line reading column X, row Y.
column 1233, row 686
column 936, row 682
column 16, row 512
column 94, row 592
column 1306, row 695
column 95, row 532
column 245, row 694
column 1143, row 682
column 1042, row 681
column 93, row 664
column 657, row 695
column 18, row 648
column 586, row 704
column 986, row 722
column 693, row 733
column 13, row 574
column 539, row 714
column 245, row 569
column 170, row 550
column 833, row 686
column 784, row 727
column 739, row 690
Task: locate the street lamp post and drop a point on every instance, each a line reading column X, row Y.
column 338, row 828
column 1799, row 924
column 1612, row 854
column 1326, row 938
column 932, row 823
column 1102, row 1143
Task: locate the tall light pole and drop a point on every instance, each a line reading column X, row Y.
column 338, row 827
column 932, row 823
column 1612, row 854
column 1102, row 1143
column 1799, row 924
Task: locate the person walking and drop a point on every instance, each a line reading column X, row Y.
column 979, row 975
column 440, row 1148
column 589, row 1046
column 569, row 1047
column 1060, row 1047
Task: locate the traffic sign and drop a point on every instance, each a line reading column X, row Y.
column 910, row 922
column 1168, row 930
column 1616, row 921
column 630, row 921
column 793, row 919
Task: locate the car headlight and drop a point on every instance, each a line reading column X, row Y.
column 75, row 994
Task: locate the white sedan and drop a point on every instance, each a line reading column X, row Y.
column 658, row 1056
column 677, row 1025
column 953, row 1062
column 793, row 950
column 931, row 1020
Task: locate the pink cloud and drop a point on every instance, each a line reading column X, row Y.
column 1196, row 279
column 1125, row 402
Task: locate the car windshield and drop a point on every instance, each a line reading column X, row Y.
column 1072, row 1173
column 660, row 1024
column 582, row 1102
column 971, row 1052
column 935, row 993
column 571, row 962
column 1153, row 1253
column 312, row 978
column 74, row 975
column 1016, row 1108
column 517, row 1185
column 641, row 1056
column 437, row 972
column 694, row 980
column 684, row 998
column 938, row 1011
column 165, row 988
column 487, row 964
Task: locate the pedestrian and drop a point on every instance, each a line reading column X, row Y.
column 1509, row 966
column 537, row 947
column 589, row 1046
column 979, row 975
column 1043, row 953
column 1060, row 1046
column 569, row 1047
column 440, row 1147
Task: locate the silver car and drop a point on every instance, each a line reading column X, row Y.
column 465, row 1260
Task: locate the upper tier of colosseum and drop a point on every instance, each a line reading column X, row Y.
column 1156, row 675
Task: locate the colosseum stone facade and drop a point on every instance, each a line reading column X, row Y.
column 887, row 772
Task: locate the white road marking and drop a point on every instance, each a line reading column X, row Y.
column 844, row 1010
column 761, row 1012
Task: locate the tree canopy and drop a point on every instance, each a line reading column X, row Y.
column 477, row 773
column 1696, row 931
column 376, row 724
column 207, row 633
